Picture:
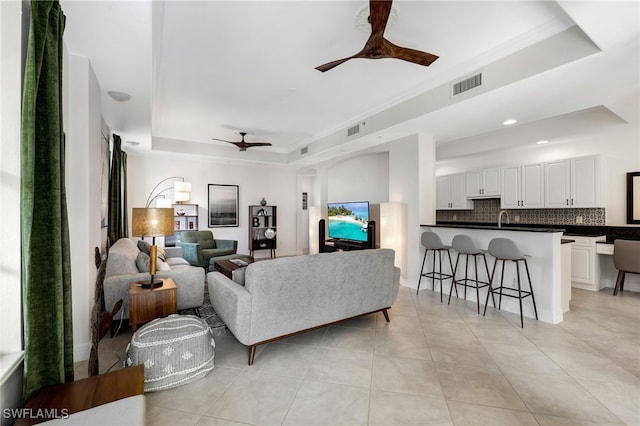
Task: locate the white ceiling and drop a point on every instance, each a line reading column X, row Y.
column 198, row 70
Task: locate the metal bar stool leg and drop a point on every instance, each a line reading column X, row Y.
column 486, row 303
column 489, row 277
column 453, row 280
column 475, row 263
column 519, row 292
column 424, row 258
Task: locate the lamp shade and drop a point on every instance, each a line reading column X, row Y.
column 150, row 222
column 182, row 186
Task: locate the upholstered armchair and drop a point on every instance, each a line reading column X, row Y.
column 198, row 247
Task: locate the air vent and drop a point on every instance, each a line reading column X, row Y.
column 353, row 130
column 467, row 84
column 304, row 150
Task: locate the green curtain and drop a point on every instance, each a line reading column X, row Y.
column 46, row 270
column 118, row 222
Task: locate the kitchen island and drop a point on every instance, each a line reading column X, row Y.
column 547, row 265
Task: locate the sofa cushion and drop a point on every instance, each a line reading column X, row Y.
column 207, row 244
column 175, row 350
column 177, row 261
column 122, row 258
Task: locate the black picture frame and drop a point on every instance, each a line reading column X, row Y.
column 633, row 198
column 223, row 205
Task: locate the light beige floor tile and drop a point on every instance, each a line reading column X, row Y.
column 545, row 420
column 483, row 385
column 456, row 351
column 621, row 398
column 341, row 367
column 561, row 397
column 410, row 344
column 406, row 375
column 160, row 416
column 593, row 366
column 499, row 333
column 256, row 398
column 196, row 397
column 318, row 403
column 212, row 421
column 398, row 323
column 231, row 353
column 366, row 321
column 519, row 358
column 349, row 338
column 469, row 414
column 284, row 359
column 388, row 409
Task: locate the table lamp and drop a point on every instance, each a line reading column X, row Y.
column 152, row 222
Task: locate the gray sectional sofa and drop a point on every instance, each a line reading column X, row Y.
column 122, row 269
column 285, row 296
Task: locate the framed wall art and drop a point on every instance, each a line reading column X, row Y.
column 223, row 205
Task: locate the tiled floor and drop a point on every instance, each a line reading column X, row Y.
column 433, row 364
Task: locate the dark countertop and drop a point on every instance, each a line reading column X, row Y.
column 567, row 241
column 611, row 232
column 505, row 227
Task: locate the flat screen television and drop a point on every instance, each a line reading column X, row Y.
column 348, row 221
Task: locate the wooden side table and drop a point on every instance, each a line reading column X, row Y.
column 73, row 397
column 146, row 304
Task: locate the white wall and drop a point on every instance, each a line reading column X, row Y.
column 278, row 185
column 619, row 148
column 83, row 172
column 362, row 178
column 11, row 357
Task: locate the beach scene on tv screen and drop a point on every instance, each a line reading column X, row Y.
column 348, row 220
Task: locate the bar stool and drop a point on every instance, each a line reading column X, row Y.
column 465, row 246
column 626, row 258
column 431, row 241
column 504, row 249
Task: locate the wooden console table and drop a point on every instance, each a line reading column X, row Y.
column 80, row 395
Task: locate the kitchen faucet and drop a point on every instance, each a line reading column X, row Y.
column 506, row 213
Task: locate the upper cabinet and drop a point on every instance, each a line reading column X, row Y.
column 523, row 187
column 573, row 183
column 451, row 193
column 483, row 183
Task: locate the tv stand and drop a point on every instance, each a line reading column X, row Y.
column 333, row 244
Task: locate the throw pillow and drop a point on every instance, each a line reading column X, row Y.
column 144, row 247
column 162, row 254
column 143, row 260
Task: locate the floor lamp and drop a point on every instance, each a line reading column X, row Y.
column 152, row 222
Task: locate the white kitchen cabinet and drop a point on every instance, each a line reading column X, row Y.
column 573, row 182
column 523, row 187
column 451, row 193
column 483, row 183
column 585, row 265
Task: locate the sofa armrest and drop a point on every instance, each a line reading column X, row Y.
column 227, row 245
column 192, row 252
column 232, row 302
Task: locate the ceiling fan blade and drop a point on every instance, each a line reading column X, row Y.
column 221, row 140
column 332, row 64
column 379, row 11
column 249, row 144
column 410, row 55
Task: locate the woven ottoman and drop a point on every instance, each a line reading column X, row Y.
column 175, row 350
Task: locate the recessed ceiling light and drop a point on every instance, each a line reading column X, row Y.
column 292, row 90
column 133, row 143
column 119, row 96
column 509, row 122
column 541, row 142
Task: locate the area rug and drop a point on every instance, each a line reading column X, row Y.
column 218, row 328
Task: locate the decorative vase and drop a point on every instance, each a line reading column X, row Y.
column 263, row 202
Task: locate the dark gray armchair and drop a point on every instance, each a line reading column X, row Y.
column 198, row 247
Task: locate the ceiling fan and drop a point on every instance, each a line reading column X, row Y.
column 242, row 145
column 377, row 47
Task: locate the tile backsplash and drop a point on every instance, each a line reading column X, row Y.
column 486, row 211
